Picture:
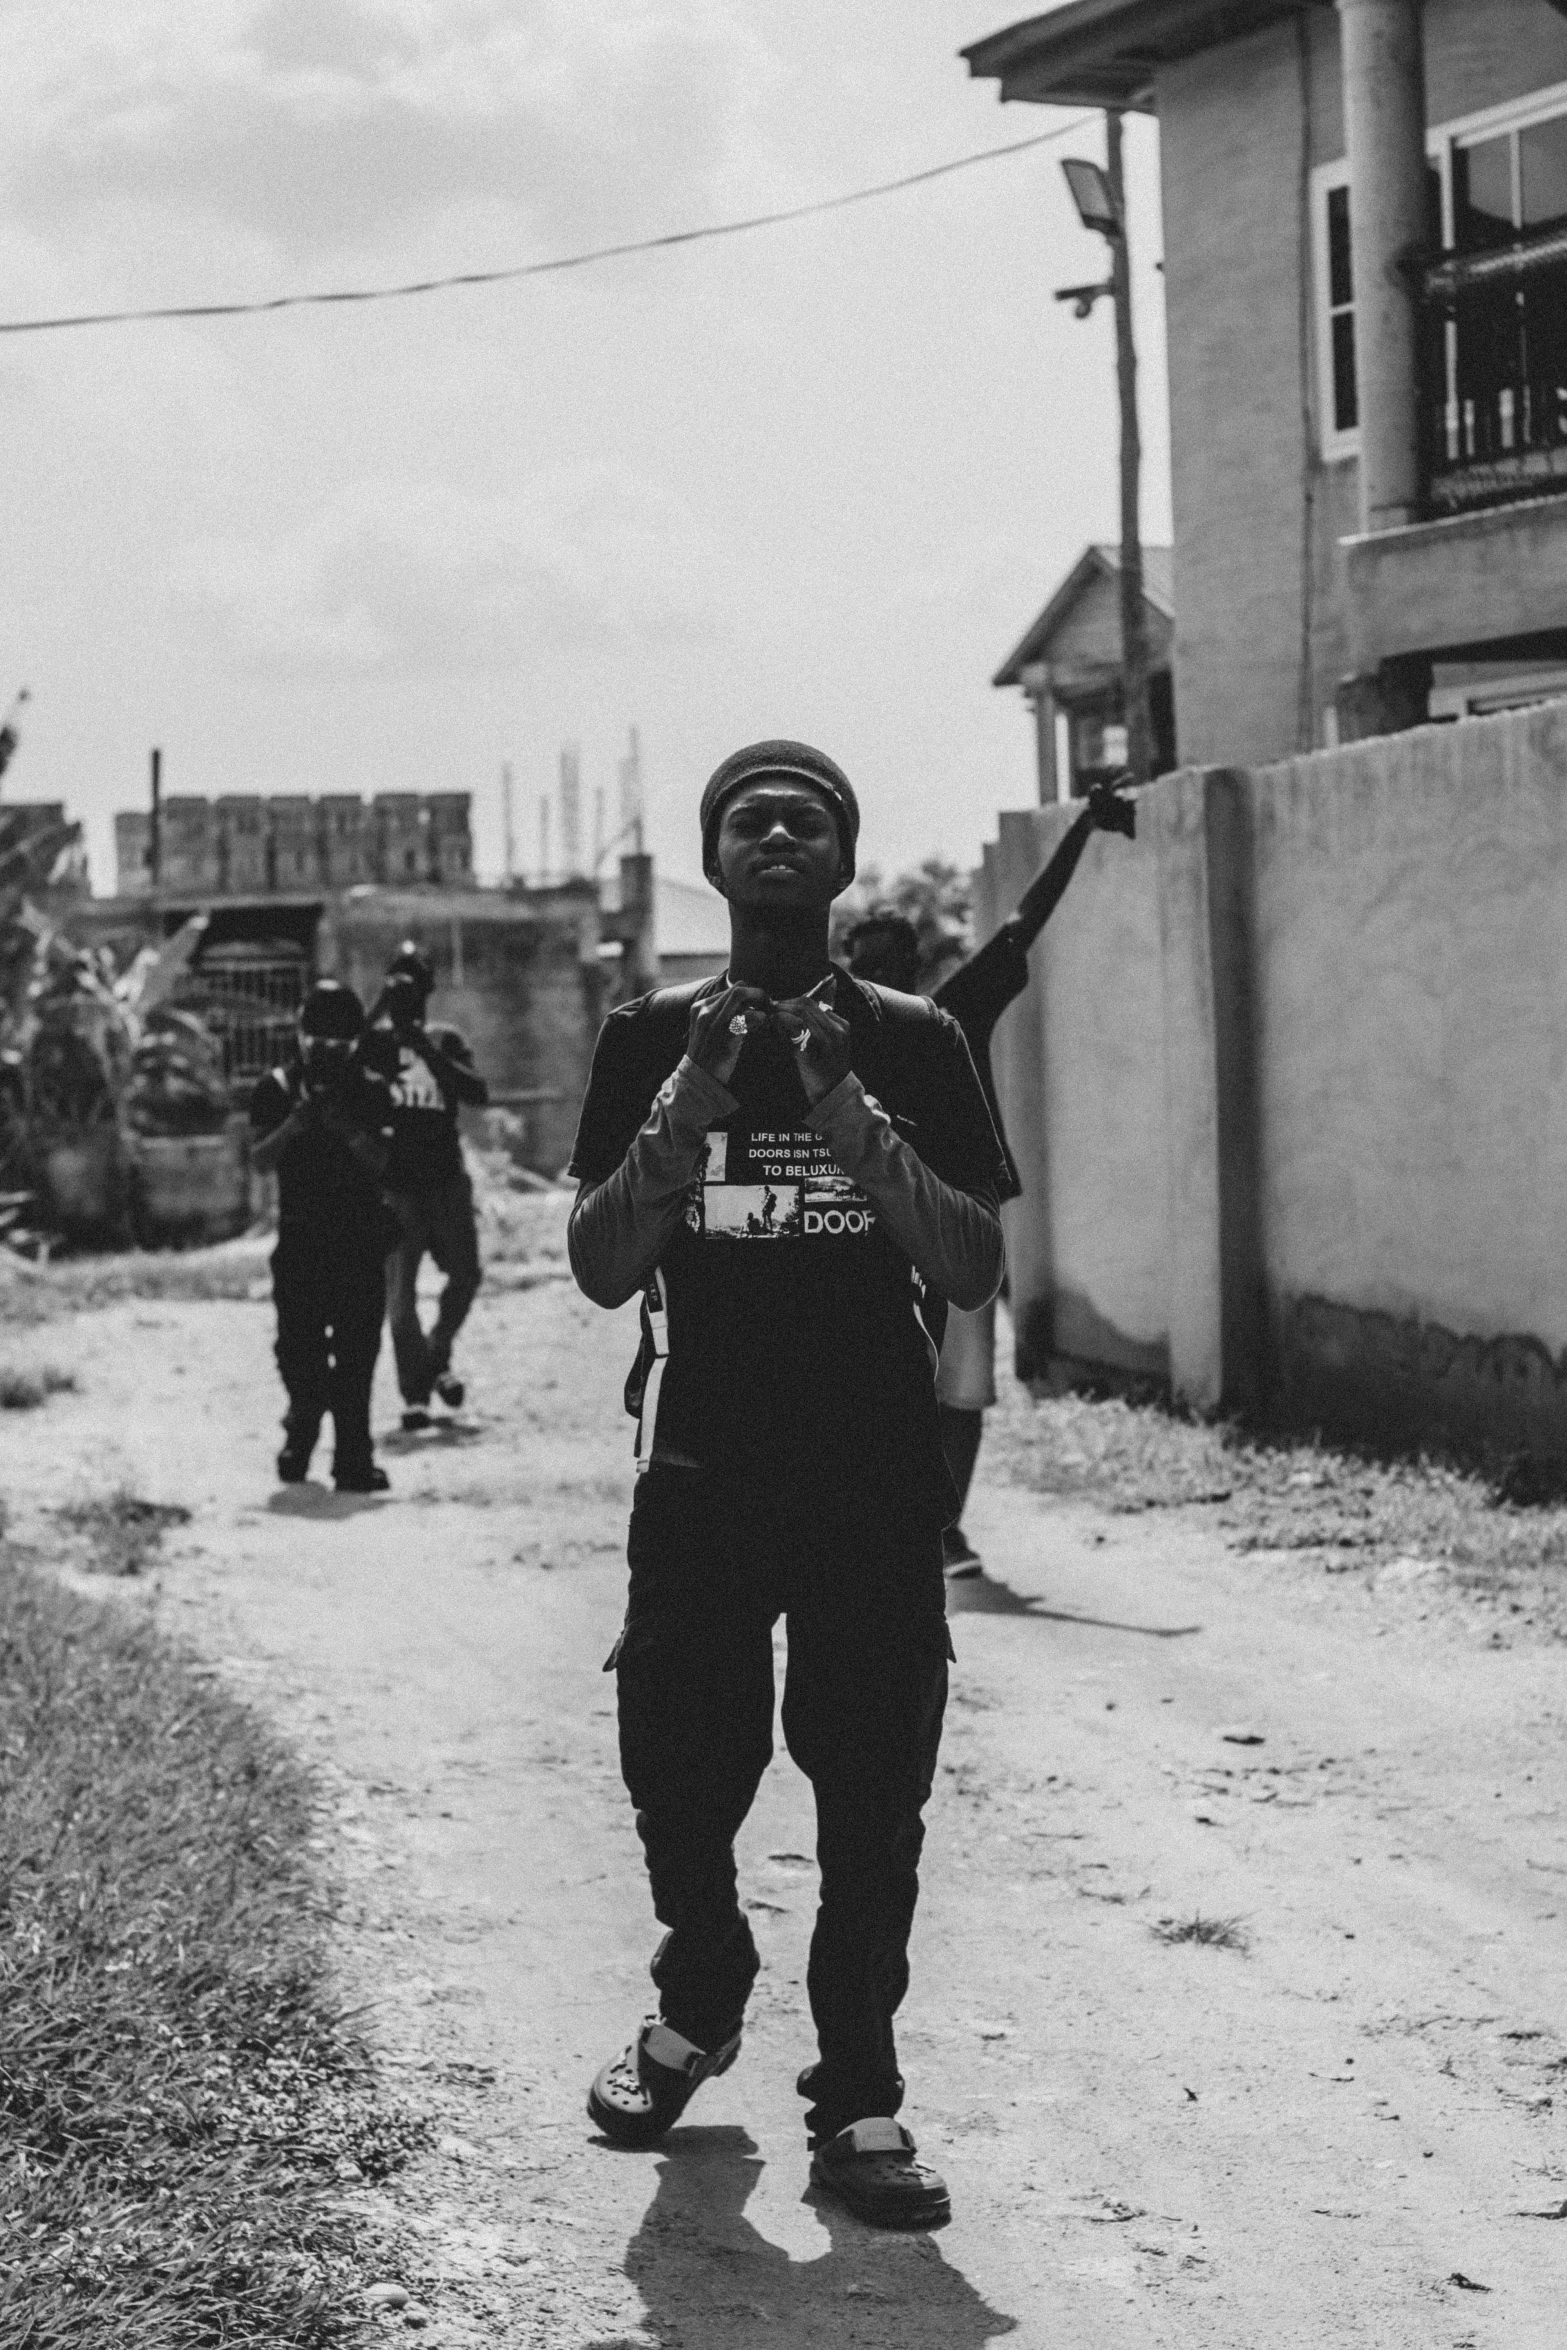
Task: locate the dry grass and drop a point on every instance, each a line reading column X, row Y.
column 1211, row 1933
column 119, row 1532
column 180, row 2106
column 1470, row 1527
column 41, row 1293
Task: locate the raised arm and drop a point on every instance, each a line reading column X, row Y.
column 1105, row 810
column 454, row 1073
column 267, row 1149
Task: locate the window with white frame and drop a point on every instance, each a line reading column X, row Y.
column 1498, row 178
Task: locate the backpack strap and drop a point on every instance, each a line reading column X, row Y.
column 655, row 1353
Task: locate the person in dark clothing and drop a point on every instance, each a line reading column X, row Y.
column 324, row 1124
column 431, row 1074
column 885, row 947
column 798, row 1173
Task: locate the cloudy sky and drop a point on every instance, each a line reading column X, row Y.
column 811, row 481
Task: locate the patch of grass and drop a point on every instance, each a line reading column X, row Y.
column 1475, row 1527
column 120, row 1531
column 1212, row 1933
column 24, row 1391
column 77, row 1284
column 180, row 2106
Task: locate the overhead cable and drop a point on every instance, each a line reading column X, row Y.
column 495, row 277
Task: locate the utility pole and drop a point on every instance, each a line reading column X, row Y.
column 1100, row 197
column 509, row 848
column 1134, row 611
column 631, row 794
column 571, row 810
column 155, row 827
column 544, row 837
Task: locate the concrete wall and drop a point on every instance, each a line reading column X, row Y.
column 1080, row 1061
column 1316, row 1162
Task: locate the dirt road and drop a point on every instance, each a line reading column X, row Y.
column 1348, row 2131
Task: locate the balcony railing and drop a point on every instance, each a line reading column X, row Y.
column 1494, row 392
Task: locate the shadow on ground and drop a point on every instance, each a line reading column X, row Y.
column 312, row 1500
column 440, row 1436
column 709, row 2280
column 986, row 1595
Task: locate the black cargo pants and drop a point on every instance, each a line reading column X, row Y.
column 859, row 1583
column 330, row 1295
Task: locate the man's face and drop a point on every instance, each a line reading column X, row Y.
column 405, row 1000
column 778, row 846
column 327, row 1059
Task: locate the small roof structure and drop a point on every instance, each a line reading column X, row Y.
column 1107, row 52
column 1067, row 631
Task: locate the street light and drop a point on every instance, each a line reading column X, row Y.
column 1094, row 197
column 1100, row 197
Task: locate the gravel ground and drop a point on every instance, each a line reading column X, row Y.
column 1236, row 2002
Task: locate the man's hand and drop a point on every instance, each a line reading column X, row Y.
column 821, row 1040
column 1111, row 809
column 720, row 1027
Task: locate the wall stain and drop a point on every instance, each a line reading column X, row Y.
column 1354, row 1370
column 1064, row 1343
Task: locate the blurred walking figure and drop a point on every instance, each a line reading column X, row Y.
column 324, row 1124
column 884, row 948
column 431, row 1075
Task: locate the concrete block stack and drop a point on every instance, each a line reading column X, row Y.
column 450, row 838
column 296, row 857
column 347, row 842
column 189, row 847
column 400, row 851
column 242, row 843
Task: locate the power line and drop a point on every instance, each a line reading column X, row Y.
column 495, row 277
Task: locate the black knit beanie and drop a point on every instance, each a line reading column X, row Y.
column 801, row 764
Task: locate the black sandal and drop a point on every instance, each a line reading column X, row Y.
column 643, row 2092
column 871, row 2166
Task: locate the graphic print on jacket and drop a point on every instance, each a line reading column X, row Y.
column 774, row 1184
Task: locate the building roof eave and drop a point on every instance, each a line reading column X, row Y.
column 1095, row 559
column 1107, row 53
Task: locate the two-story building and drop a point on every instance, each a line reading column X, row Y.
column 1365, row 251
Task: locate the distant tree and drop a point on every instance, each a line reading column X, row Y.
column 934, row 896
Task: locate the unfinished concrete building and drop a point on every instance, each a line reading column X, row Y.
column 245, row 845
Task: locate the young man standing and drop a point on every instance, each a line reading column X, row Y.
column 798, row 1173
column 431, row 1073
column 885, row 948
column 324, row 1124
